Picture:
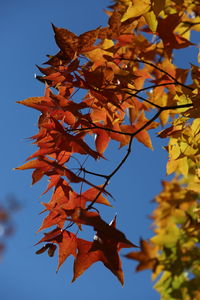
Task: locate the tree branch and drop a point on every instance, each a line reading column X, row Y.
column 124, row 158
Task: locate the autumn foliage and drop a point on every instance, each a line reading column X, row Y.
column 116, row 83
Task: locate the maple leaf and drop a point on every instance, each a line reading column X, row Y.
column 66, row 40
column 55, row 217
column 115, row 21
column 151, row 20
column 37, row 175
column 92, row 193
column 87, row 39
column 170, row 39
column 39, row 103
column 79, row 200
column 55, row 61
column 142, row 137
column 136, row 9
column 147, row 257
column 110, row 232
column 101, row 140
column 85, row 258
column 103, row 248
column 36, row 164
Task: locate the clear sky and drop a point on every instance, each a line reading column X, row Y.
column 26, row 37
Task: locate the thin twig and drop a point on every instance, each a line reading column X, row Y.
column 162, row 108
column 143, row 99
column 159, row 69
column 93, row 173
column 155, row 86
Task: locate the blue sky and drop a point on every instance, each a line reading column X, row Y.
column 26, row 37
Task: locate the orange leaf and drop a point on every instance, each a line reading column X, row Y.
column 91, row 194
column 54, row 179
column 102, row 140
column 67, row 246
column 39, row 103
column 143, row 137
column 53, row 218
column 35, row 164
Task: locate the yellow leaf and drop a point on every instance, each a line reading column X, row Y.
column 107, row 44
column 183, row 166
column 175, row 151
column 158, row 270
column 164, row 117
column 159, row 284
column 193, row 24
column 151, row 20
column 196, row 126
column 184, row 30
column 171, row 166
column 168, row 236
column 179, row 215
column 137, row 9
column 183, row 99
column 97, row 55
column 194, row 186
column 187, row 149
column 126, row 2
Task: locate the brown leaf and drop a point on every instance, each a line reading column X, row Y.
column 37, row 175
column 115, row 21
column 44, row 248
column 102, row 228
column 87, row 39
column 66, row 40
column 102, row 249
column 52, row 250
column 171, row 131
column 147, row 257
